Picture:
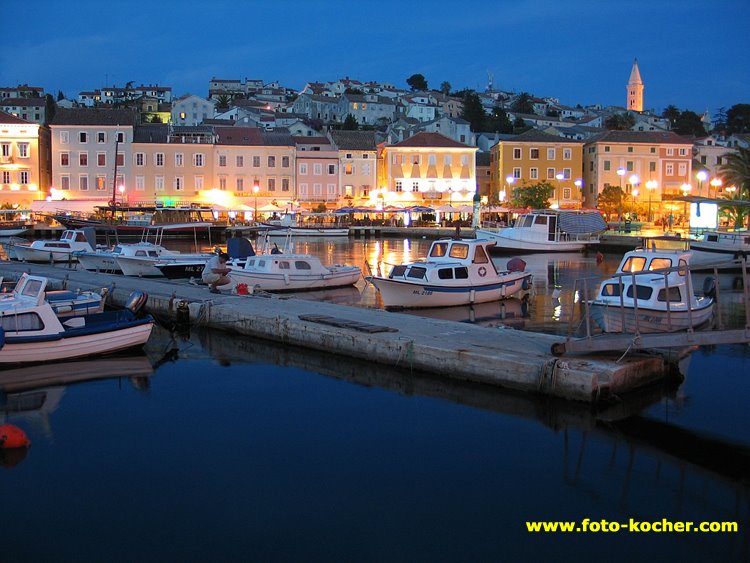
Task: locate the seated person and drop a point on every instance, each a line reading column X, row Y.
column 215, row 272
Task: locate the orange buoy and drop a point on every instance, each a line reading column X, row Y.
column 13, row 437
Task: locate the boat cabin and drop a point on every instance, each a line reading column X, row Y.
column 451, row 259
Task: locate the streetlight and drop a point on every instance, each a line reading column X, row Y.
column 651, row 185
column 621, row 172
column 635, row 181
column 509, row 179
column 716, row 183
column 256, row 189
column 121, row 189
column 702, row 176
column 579, row 185
column 559, row 177
column 685, row 188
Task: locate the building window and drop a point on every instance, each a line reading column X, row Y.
column 652, row 166
column 198, row 183
column 331, row 169
column 550, row 173
column 670, row 151
column 399, row 186
column 120, row 159
column 159, row 159
column 240, row 161
column 303, row 168
column 23, row 150
column 567, row 154
column 534, row 173
column 83, row 137
column 669, row 169
column 303, row 190
column 23, row 177
column 516, row 154
column 348, row 169
column 317, row 190
column 222, row 160
column 239, row 185
column 415, row 186
column 607, row 165
column 653, row 150
column 516, row 173
column 285, row 162
column 550, row 154
column 285, row 184
column 120, row 137
column 64, row 137
column 198, row 160
column 83, row 183
column 5, row 149
column 606, row 148
column 630, row 165
column 566, row 193
column 101, row 183
column 101, row 159
column 566, row 173
column 64, row 182
column 159, row 183
column 272, row 184
column 178, row 159
column 140, row 159
column 272, row 162
column 64, row 159
column 256, row 162
column 682, row 169
column 683, row 152
column 140, row 183
column 6, row 176
column 178, row 184
column 630, row 149
column 101, row 137
column 317, row 169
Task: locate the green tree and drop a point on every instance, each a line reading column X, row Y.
column 619, row 122
column 50, row 107
column 523, row 104
column 473, row 112
column 350, row 123
column 611, row 200
column 736, row 214
column 738, row 119
column 689, row 123
column 351, row 90
column 671, row 113
column 417, row 82
column 498, row 121
column 519, row 126
column 222, row 102
column 736, row 171
column 60, row 95
column 534, row 196
column 445, row 88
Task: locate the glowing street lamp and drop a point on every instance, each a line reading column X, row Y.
column 579, row 184
column 621, row 172
column 651, row 185
column 559, row 177
column 635, row 181
column 716, row 183
column 256, row 189
column 509, row 180
column 702, row 176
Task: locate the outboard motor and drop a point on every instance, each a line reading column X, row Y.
column 136, row 302
column 709, row 287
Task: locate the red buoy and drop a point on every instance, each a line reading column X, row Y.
column 13, row 437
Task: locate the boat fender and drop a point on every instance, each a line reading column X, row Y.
column 286, row 279
column 526, row 284
column 516, row 265
column 136, row 301
column 709, row 287
column 12, row 436
column 482, row 271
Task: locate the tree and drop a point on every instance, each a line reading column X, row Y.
column 738, row 119
column 417, row 82
column 671, row 113
column 736, row 214
column 473, row 112
column 736, row 171
column 350, row 123
column 689, row 123
column 498, row 121
column 60, row 95
column 611, row 200
column 523, row 104
column 619, row 122
column 535, row 196
column 445, row 88
column 50, row 107
column 222, row 102
column 351, row 90
column 519, row 126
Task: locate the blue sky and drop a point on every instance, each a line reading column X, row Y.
column 692, row 54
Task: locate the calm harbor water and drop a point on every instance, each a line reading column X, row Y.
column 214, row 447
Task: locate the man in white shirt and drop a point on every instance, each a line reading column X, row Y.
column 215, row 272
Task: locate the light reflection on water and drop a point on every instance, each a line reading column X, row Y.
column 221, row 447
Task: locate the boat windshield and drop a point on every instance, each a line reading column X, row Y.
column 660, row 264
column 634, row 264
column 459, row 251
column 439, row 249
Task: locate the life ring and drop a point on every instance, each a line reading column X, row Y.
column 482, row 271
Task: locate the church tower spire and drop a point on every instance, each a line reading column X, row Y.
column 635, row 89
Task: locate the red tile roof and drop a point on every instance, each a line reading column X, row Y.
column 424, row 139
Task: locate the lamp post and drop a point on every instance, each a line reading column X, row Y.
column 651, row 185
column 256, row 189
column 635, row 181
column 620, row 172
column 509, row 179
column 702, row 176
column 579, row 185
column 716, row 183
column 559, row 177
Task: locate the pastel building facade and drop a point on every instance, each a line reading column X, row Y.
column 25, row 173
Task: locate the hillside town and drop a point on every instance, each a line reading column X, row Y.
column 251, row 147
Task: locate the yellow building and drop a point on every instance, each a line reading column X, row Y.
column 534, row 157
column 24, row 161
column 425, row 169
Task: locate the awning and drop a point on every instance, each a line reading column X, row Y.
column 582, row 223
column 67, row 206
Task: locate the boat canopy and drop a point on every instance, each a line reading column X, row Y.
column 582, row 223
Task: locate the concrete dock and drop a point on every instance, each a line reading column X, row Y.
column 504, row 357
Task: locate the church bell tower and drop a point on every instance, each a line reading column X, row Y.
column 635, row 89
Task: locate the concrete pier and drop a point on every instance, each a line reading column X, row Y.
column 505, row 357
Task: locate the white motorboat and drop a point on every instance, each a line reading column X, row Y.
column 62, row 250
column 292, row 272
column 548, row 230
column 31, row 332
column 651, row 292
column 455, row 272
column 310, row 225
column 720, row 248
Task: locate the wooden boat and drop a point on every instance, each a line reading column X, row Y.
column 62, row 250
column 31, row 332
column 651, row 292
column 455, row 272
column 547, row 231
column 292, row 272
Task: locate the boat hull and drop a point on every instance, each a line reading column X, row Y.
column 309, row 232
column 347, row 275
column 612, row 318
column 29, row 254
column 412, row 295
column 504, row 244
column 99, row 262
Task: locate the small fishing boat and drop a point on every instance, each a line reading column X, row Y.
column 62, row 250
column 66, row 303
column 720, row 248
column 310, row 225
column 548, row 230
column 651, row 291
column 455, row 272
column 31, row 332
column 292, row 272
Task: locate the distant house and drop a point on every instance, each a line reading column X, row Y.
column 28, row 109
column 357, row 152
column 192, row 110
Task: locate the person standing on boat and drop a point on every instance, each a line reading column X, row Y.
column 215, row 272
